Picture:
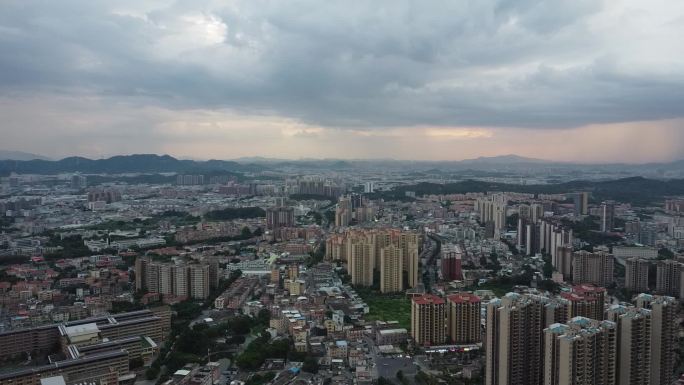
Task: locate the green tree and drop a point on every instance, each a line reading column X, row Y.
column 152, row 372
column 310, row 365
column 246, row 232
column 263, row 317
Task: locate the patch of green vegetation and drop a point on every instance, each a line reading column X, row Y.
column 387, row 307
column 588, row 230
column 72, row 247
column 260, row 349
column 260, row 379
column 316, row 256
column 636, row 190
column 499, row 289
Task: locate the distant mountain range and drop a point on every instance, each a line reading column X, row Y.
column 504, row 159
column 25, row 163
column 139, row 163
column 19, row 155
column 636, row 190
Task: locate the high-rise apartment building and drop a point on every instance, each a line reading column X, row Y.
column 581, row 352
column 607, row 216
column 78, row 181
column 664, row 330
column 464, row 318
column 451, row 256
column 166, row 275
column 152, row 275
column 293, row 271
column 536, row 212
column 521, row 236
column 493, row 211
column 552, row 236
column 361, row 262
column 595, row 268
column 513, row 342
column 563, row 261
column 343, row 212
column 586, row 301
column 636, row 274
column 140, row 272
column 409, row 242
column 428, row 320
column 275, row 276
column 391, row 269
column 279, row 216
column 178, row 280
column 214, row 272
column 668, row 277
column 633, row 355
column 361, row 250
column 580, row 201
column 199, row 281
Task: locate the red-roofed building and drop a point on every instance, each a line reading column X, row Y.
column 464, row 318
column 428, row 320
column 586, row 301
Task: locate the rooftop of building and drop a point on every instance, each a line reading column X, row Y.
column 463, row 298
column 80, row 330
column 428, row 299
column 587, row 288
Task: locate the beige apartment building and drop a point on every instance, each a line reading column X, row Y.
column 428, row 320
column 581, row 352
column 633, row 355
column 636, row 274
column 513, row 342
column 391, row 269
column 464, row 326
column 595, row 268
column 668, row 277
column 664, row 330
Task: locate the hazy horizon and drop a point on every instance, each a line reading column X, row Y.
column 257, row 158
column 566, row 80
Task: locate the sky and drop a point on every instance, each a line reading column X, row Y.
column 570, row 80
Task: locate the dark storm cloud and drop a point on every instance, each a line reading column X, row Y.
column 505, row 63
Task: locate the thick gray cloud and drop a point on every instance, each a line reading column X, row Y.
column 497, row 63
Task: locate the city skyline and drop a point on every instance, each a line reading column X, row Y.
column 570, row 81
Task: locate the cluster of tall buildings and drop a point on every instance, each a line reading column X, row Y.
column 317, row 186
column 493, row 213
column 580, row 201
column 392, row 253
column 351, row 209
column 79, row 181
column 280, row 215
column 595, row 268
column 535, row 339
column 189, row 180
column 669, row 277
column 181, row 280
column 436, row 321
column 539, row 235
column 674, row 205
column 107, row 195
